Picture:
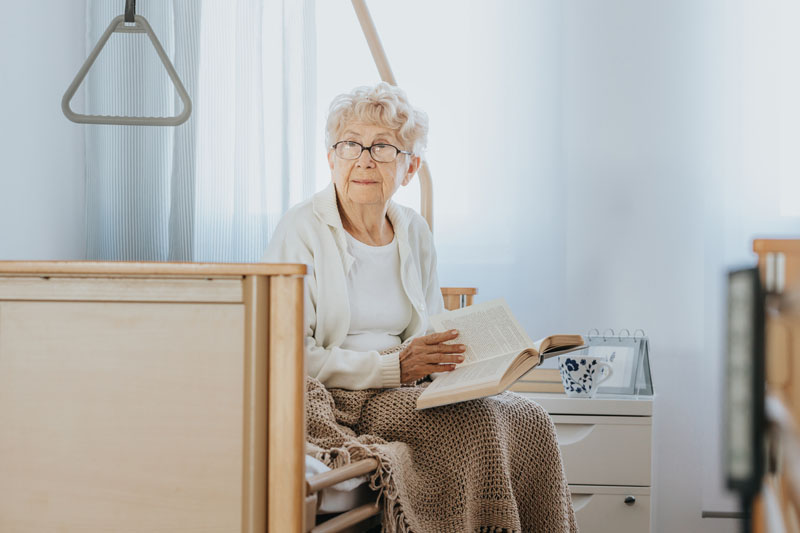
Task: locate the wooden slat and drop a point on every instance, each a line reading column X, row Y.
column 789, row 246
column 254, row 467
column 788, row 251
column 337, row 475
column 352, row 517
column 310, row 516
column 452, row 302
column 54, row 268
column 286, row 394
column 121, row 289
column 459, row 290
column 458, row 297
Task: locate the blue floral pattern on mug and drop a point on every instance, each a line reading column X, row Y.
column 578, row 374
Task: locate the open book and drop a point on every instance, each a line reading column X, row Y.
column 499, row 352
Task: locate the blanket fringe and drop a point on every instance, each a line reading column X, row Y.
column 394, row 519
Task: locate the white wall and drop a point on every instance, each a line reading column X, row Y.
column 42, row 45
column 632, row 160
column 667, row 155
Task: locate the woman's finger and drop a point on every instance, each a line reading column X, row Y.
column 436, row 338
column 445, row 348
column 430, row 369
column 434, row 358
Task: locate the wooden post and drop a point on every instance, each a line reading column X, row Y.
column 254, row 468
column 286, row 400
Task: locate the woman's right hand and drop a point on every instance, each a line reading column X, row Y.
column 428, row 354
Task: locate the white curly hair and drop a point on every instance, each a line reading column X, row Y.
column 383, row 105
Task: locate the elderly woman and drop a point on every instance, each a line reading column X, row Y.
column 489, row 464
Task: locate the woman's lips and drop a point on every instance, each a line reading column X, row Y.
column 364, row 182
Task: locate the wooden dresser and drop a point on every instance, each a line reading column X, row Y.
column 151, row 397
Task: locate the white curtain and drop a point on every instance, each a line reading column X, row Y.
column 213, row 188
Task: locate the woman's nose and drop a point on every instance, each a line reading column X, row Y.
column 365, row 159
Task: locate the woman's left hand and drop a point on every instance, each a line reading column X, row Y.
column 429, row 354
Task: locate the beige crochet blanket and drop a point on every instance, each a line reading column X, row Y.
column 484, row 465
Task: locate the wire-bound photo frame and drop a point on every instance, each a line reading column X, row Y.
column 629, row 357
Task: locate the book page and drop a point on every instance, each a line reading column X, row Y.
column 464, row 376
column 488, row 329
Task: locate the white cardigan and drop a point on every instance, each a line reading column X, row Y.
column 312, row 233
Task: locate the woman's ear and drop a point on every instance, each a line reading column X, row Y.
column 330, row 160
column 413, row 166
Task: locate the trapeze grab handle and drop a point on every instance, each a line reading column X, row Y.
column 118, row 25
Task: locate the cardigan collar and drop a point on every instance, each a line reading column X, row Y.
column 325, row 207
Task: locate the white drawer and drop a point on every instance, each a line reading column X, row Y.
column 603, row 509
column 605, row 450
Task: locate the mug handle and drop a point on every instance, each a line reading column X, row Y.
column 610, row 370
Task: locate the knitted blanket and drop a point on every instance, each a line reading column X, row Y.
column 491, row 464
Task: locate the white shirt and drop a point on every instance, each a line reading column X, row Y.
column 379, row 307
column 312, row 233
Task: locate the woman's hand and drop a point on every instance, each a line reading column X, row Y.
column 428, row 354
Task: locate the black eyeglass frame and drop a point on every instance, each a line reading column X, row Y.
column 369, row 149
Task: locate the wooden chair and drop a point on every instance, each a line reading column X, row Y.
column 454, row 298
column 366, row 515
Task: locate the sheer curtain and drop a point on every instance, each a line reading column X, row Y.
column 214, row 188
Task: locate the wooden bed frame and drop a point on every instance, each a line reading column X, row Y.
column 777, row 507
column 151, row 397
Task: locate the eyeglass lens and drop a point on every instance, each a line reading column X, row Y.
column 383, row 153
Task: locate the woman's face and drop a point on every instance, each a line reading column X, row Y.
column 363, row 180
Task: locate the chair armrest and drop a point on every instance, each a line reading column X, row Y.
column 350, row 518
column 337, row 475
column 458, row 297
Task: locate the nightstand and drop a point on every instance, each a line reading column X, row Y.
column 606, row 446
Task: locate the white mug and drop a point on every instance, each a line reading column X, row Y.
column 581, row 374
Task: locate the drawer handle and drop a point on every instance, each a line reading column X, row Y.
column 571, row 433
column 579, row 501
column 630, row 500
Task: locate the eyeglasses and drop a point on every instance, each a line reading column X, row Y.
column 382, row 153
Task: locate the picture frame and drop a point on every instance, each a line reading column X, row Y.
column 622, row 353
